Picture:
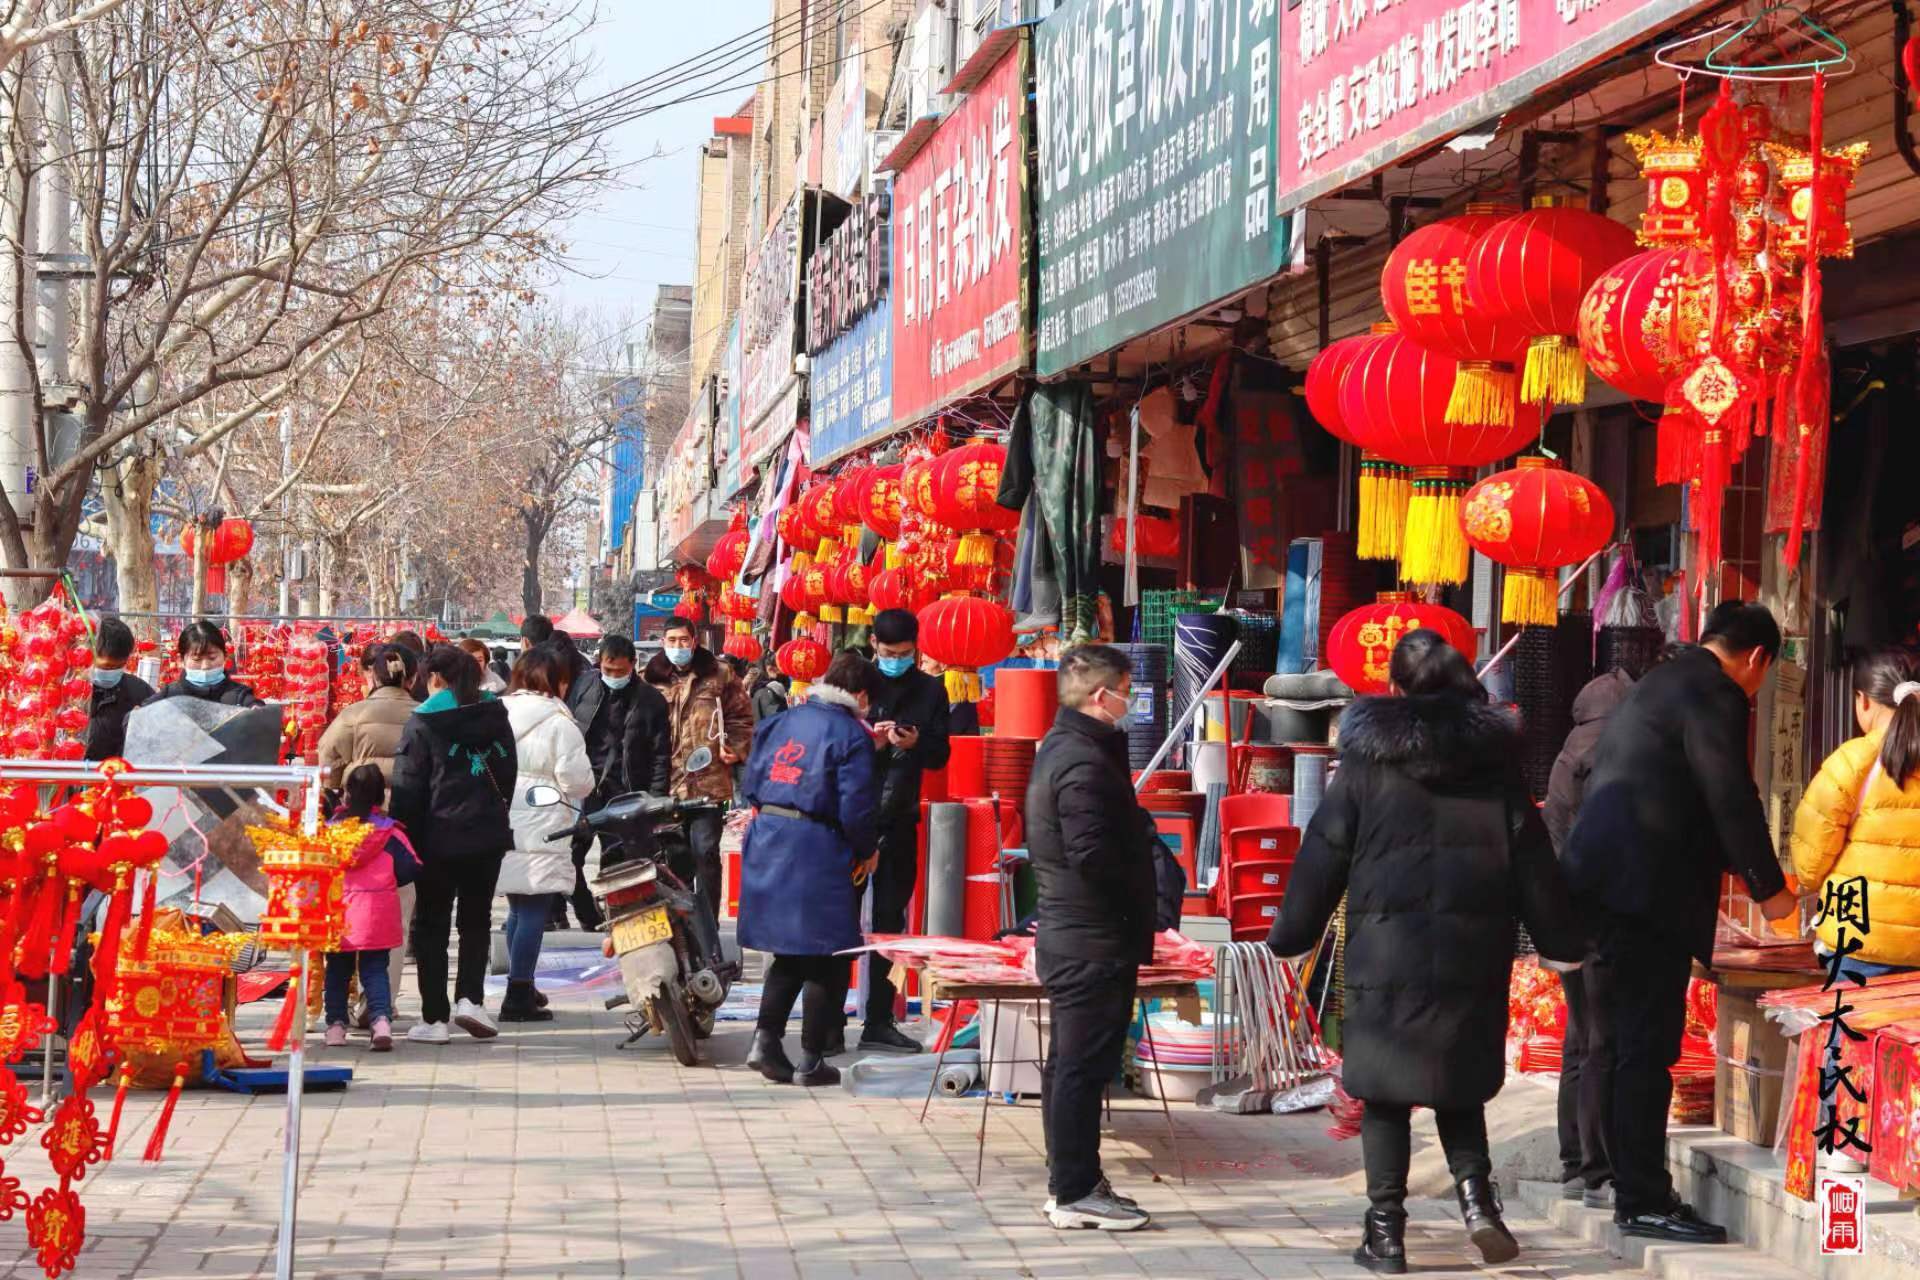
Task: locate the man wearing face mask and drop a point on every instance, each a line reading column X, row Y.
column 1092, row 848
column 624, row 721
column 910, row 714
column 710, row 720
column 116, row 690
column 203, row 670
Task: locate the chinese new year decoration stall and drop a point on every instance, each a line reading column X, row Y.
column 1535, row 519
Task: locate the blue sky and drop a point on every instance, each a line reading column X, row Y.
column 641, row 232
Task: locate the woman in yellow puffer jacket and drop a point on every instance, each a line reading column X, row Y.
column 1860, row 818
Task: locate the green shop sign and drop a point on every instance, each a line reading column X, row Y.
column 1157, row 164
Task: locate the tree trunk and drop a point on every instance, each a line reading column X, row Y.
column 127, row 493
column 239, row 591
column 531, row 600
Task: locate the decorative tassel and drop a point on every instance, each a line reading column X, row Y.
column 831, row 613
column 1673, row 446
column 1435, row 549
column 119, row 1101
column 860, row 617
column 1556, row 372
column 62, row 960
column 283, row 1024
column 963, row 686
column 37, row 942
column 1383, row 508
column 1813, row 382
column 1482, row 394
column 976, row 549
column 891, row 556
column 106, row 956
column 1531, row 598
column 157, row 1141
column 799, row 691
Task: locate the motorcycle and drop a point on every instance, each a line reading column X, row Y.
column 666, row 941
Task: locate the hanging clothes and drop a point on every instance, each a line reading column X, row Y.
column 1053, row 457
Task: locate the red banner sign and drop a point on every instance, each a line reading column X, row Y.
column 960, row 245
column 1364, row 82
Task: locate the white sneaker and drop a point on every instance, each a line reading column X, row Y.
column 429, row 1033
column 473, row 1019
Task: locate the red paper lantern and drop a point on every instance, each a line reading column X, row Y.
column 965, row 485
column 880, row 500
column 817, row 586
column 1644, row 317
column 847, row 585
column 820, row 502
column 743, row 645
column 794, row 528
column 802, row 660
column 897, row 589
column 1361, row 642
column 691, row 608
column 963, row 634
column 1533, row 520
column 793, row 592
column 1534, row 269
column 1325, row 372
column 231, row 541
column 916, row 488
column 1424, row 288
column 730, row 552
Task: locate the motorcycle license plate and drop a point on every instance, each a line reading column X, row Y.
column 643, row 930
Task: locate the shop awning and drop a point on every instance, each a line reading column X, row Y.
column 579, row 624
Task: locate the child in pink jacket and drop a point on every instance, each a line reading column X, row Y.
column 374, row 926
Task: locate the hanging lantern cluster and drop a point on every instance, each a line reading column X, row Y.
column 694, row 585
column 44, row 686
column 231, row 540
column 1534, row 520
column 729, row 552
column 1361, row 643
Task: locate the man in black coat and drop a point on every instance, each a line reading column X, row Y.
column 116, row 690
column 1670, row 807
column 624, row 721
column 911, row 710
column 1092, row 848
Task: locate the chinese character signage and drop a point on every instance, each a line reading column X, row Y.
column 768, row 334
column 960, row 249
column 1364, row 82
column 726, row 434
column 1157, row 155
column 850, row 335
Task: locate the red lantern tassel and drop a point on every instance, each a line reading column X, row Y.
column 1673, row 446
column 283, row 1024
column 157, row 1141
column 1813, row 381
column 37, row 942
column 62, row 960
column 106, row 956
column 119, row 1102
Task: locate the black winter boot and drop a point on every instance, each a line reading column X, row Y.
column 1383, row 1247
column 518, row 1004
column 540, row 997
column 769, row 1057
column 1480, row 1207
column 814, row 1070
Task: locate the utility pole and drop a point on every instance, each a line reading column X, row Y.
column 18, row 415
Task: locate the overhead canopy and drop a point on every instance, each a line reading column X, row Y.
column 496, row 627
column 578, row 623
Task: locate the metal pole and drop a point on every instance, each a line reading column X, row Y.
column 1566, row 586
column 54, row 994
column 290, row 1166
column 1193, row 708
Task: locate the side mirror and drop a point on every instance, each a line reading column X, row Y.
column 542, row 796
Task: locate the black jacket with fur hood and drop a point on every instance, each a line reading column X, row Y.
column 1429, row 831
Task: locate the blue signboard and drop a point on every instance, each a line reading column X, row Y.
column 851, row 385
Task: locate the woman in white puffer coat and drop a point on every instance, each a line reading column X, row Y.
column 551, row 751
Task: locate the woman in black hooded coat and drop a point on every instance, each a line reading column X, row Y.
column 1428, row 831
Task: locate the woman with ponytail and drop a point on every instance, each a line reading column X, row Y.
column 1860, row 819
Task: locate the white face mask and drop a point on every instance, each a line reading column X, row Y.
column 1108, row 698
column 678, row 657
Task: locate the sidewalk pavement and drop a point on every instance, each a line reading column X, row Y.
column 548, row 1153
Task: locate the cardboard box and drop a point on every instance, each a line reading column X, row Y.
column 1751, row 1069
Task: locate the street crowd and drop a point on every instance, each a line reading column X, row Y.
column 1427, row 833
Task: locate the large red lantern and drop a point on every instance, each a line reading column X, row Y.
column 1533, row 270
column 802, row 660
column 730, row 552
column 231, row 541
column 1383, row 485
column 1325, row 373
column 897, row 589
column 966, row 485
column 1394, row 399
column 1361, row 642
column 1644, row 318
column 963, row 634
column 794, row 528
column 743, row 645
column 1424, row 288
column 1533, row 520
column 847, row 585
column 880, row 500
column 821, row 503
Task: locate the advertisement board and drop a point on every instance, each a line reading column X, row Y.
column 960, row 248
column 850, row 334
column 726, row 430
column 1157, row 153
column 1364, row 82
column 843, row 133
column 769, row 297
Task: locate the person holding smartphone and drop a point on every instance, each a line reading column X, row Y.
column 909, row 716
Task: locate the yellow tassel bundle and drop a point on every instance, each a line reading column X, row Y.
column 1556, row 372
column 963, row 686
column 976, row 550
column 1482, row 394
column 1435, row 549
column 1531, row 598
column 831, row 613
column 1383, row 508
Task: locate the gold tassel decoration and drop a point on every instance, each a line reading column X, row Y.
column 1531, row 598
column 1482, row 394
column 1556, row 372
column 976, row 550
column 1383, row 508
column 1435, row 549
column 956, row 685
column 831, row 613
column 890, row 552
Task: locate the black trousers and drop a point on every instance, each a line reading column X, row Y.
column 1636, row 997
column 1091, row 1004
column 703, row 834
column 894, row 878
column 1583, row 1148
column 454, row 892
column 585, row 909
column 823, row 979
column 1386, row 1146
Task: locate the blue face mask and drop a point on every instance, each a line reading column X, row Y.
column 680, row 657
column 205, row 679
column 895, row 666
column 616, row 682
column 106, row 677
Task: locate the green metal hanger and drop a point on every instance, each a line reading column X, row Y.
column 1808, row 30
